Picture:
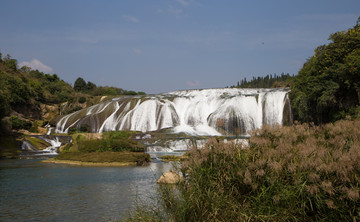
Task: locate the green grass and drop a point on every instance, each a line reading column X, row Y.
column 168, row 158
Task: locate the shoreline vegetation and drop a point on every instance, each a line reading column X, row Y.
column 302, row 172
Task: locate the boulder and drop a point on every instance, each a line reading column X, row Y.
column 170, row 178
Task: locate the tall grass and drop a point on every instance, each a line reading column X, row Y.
column 298, row 173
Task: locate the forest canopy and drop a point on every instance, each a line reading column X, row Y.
column 327, row 88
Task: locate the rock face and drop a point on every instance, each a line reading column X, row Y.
column 170, row 178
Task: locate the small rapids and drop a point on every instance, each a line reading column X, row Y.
column 31, row 150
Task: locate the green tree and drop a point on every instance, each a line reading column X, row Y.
column 10, row 63
column 79, row 84
column 327, row 88
column 90, row 86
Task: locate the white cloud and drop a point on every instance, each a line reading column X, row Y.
column 131, row 18
column 193, row 83
column 36, row 64
column 137, row 51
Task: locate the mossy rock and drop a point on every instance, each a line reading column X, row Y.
column 38, row 143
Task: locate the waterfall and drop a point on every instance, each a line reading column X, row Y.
column 195, row 112
column 55, row 144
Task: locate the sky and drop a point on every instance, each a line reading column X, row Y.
column 166, row 45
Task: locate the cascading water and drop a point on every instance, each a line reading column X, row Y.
column 55, row 144
column 30, row 149
column 195, row 112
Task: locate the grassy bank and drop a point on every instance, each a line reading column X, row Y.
column 109, row 147
column 102, row 158
column 298, row 173
column 169, row 158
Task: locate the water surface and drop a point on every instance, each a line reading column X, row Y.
column 35, row 191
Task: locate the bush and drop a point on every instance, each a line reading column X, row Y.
column 82, row 100
column 117, row 141
column 17, row 123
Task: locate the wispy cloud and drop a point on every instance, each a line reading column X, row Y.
column 183, row 2
column 130, row 18
column 175, row 11
column 137, row 51
column 37, row 64
column 193, row 83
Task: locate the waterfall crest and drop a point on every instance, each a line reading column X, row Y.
column 195, row 112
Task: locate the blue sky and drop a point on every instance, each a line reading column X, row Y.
column 166, row 45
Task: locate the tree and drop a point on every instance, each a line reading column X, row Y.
column 79, row 84
column 10, row 63
column 327, row 88
column 90, row 86
column 25, row 69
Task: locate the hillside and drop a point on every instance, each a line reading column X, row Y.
column 30, row 98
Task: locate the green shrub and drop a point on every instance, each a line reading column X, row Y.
column 34, row 127
column 116, row 141
column 82, row 100
column 17, row 123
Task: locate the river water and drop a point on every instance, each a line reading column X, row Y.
column 34, row 191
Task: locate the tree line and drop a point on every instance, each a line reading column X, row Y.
column 80, row 85
column 268, row 81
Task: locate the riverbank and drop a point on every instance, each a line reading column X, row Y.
column 102, row 158
column 81, row 163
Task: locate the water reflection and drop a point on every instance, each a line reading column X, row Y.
column 35, row 191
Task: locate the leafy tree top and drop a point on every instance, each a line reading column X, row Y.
column 327, row 88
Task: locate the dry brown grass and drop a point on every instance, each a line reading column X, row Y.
column 298, row 173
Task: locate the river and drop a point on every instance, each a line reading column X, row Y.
column 34, row 191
